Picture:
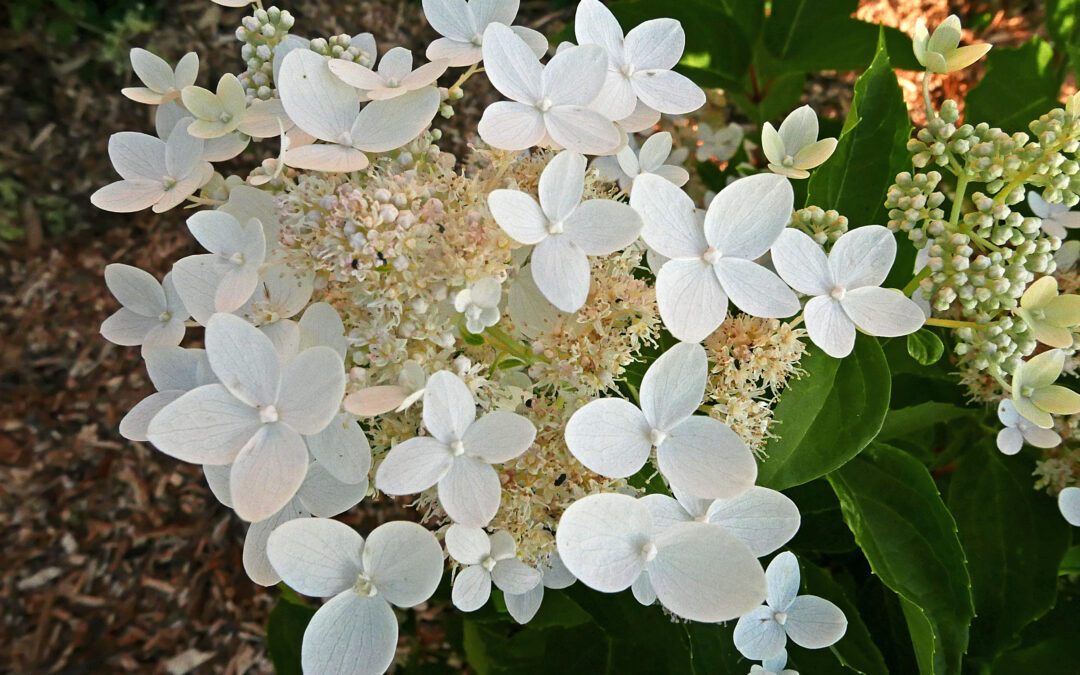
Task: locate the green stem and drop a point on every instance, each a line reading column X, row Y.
column 958, row 199
column 930, row 114
column 510, row 345
column 914, row 283
column 953, row 323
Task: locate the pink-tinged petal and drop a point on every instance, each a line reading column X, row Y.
column 267, row 472
column 207, row 425
column 332, row 158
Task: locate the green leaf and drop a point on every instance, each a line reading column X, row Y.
column 285, row 632
column 1014, row 538
column 1049, row 644
column 916, row 419
column 822, row 528
column 892, row 506
column 1020, row 84
column 856, row 650
column 871, row 149
column 828, row 415
column 925, row 347
column 1070, row 564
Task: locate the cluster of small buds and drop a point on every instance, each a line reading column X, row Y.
column 343, row 47
column 914, row 204
column 1058, row 134
column 1001, row 225
column 940, row 137
column 998, row 347
column 260, row 33
column 824, row 226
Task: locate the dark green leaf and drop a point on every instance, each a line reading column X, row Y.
column 285, row 632
column 893, row 508
column 1050, row 644
column 1070, row 564
column 1020, row 84
column 472, row 338
column 871, row 149
column 856, row 650
column 1014, row 538
column 925, row 347
column 822, row 529
column 917, row 418
column 827, row 416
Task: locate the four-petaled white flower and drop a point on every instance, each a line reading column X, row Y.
column 150, row 313
column 480, row 304
column 796, row 148
column 224, row 279
column 699, row 571
column 325, row 107
column 1034, row 394
column 155, row 173
column 639, row 65
column 255, row 417
column 811, row 622
column 462, row 24
column 940, row 52
column 845, row 286
column 216, row 113
column 386, row 397
column 1056, row 219
column 161, row 82
column 220, row 149
column 356, row 631
column 564, row 229
column 485, row 559
column 1069, row 505
column 1019, row 430
column 548, row 104
column 283, row 292
column 700, row 455
column 719, row 144
column 554, row 575
column 1049, row 316
column 394, row 77
column 713, row 262
column 651, row 159
column 458, row 454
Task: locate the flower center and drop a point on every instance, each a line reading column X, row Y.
column 237, row 258
column 1027, row 391
column 345, row 139
column 364, row 586
column 544, row 105
column 838, row 293
column 488, row 563
column 788, row 161
column 1038, row 314
column 164, row 316
column 656, row 437
column 627, row 70
column 268, row 415
column 392, row 83
column 555, row 228
column 457, row 448
column 712, row 255
column 225, row 118
column 648, row 551
column 780, row 617
column 477, row 40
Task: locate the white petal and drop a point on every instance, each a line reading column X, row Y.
column 499, row 436
column 524, row 606
column 603, row 226
column 561, row 271
column 350, row 634
column 814, row 623
column 574, row 76
column 654, row 151
column 386, row 125
column 667, row 91
column 243, row 358
column 1010, row 440
column 449, row 407
column 343, row 449
column 556, row 576
column 609, row 436
column 256, row 562
column 246, row 202
column 451, row 18
column 800, row 261
column 154, row 72
column 312, row 385
column 692, row 302
column 470, row 492
column 321, row 325
column 472, row 588
column 316, row 556
column 665, row 511
column 761, row 518
column 183, row 152
column 1038, row 205
column 595, row 24
column 497, row 11
column 1069, row 504
column 513, row 576
column 783, row 578
column 404, row 561
column 137, row 156
column 884, row 312
column 799, row 129
column 136, row 423
column 413, row 466
column 758, row 636
column 356, row 75
column 467, row 545
column 702, row 573
column 518, row 215
column 127, row 196
column 125, row 327
column 196, row 278
column 135, row 289
column 655, row 44
column 319, row 103
column 862, row 257
column 510, row 65
column 600, row 540
column 581, row 129
column 561, row 185
column 503, row 545
column 641, row 119
column 755, row 289
column 706, row 459
column 455, row 52
column 746, row 217
column 670, row 223
column 511, row 126
column 772, row 144
column 426, row 74
column 174, row 367
column 288, row 290
column 617, row 98
column 265, row 119
column 674, row 385
column 184, row 188
column 1042, row 438
column 267, row 472
column 326, row 496
column 643, row 590
column 207, row 425
column 829, row 326
column 332, row 158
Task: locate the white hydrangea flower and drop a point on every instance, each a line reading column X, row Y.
column 224, row 279
column 940, row 52
column 246, row 202
column 773, row 666
column 719, row 144
column 174, row 371
column 220, row 149
column 1034, row 394
column 462, row 24
column 394, row 77
column 325, row 107
column 564, row 230
column 216, row 112
column 458, row 454
column 652, row 158
column 700, row 455
column 253, row 419
column 1057, row 219
column 711, row 263
column 811, row 622
column 161, row 82
column 485, row 559
column 795, row 149
column 1069, row 504
column 356, row 631
column 845, row 287
column 554, row 575
column 548, row 104
column 699, row 571
column 480, row 304
column 1066, row 256
column 322, row 325
column 282, row 293
column 150, row 313
column 1050, row 317
column 639, row 65
column 383, row 398
column 1018, row 431
column 155, row 174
